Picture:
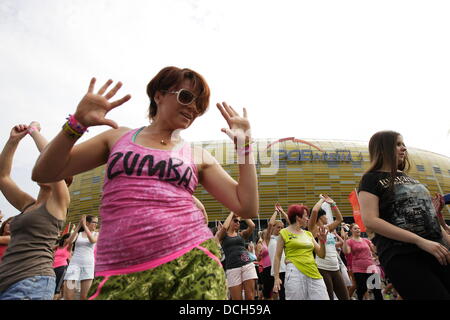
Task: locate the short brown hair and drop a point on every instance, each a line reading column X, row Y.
column 170, row 77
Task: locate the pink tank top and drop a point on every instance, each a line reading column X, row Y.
column 265, row 258
column 147, row 212
column 61, row 256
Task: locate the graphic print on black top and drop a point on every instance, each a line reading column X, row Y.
column 414, row 211
column 133, row 164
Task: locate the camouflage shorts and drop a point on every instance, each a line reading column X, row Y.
column 193, row 276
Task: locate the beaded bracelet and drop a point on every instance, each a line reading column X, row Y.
column 75, row 125
column 70, row 132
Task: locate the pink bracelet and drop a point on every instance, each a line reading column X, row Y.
column 75, row 125
column 31, row 129
column 244, row 151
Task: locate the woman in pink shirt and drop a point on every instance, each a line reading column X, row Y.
column 151, row 228
column 262, row 251
column 62, row 256
column 363, row 264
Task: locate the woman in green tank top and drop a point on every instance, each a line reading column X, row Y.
column 302, row 280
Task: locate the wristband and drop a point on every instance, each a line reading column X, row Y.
column 245, row 151
column 30, row 130
column 70, row 132
column 75, row 125
column 245, row 146
column 333, row 204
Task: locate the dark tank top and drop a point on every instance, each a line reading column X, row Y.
column 30, row 251
column 236, row 255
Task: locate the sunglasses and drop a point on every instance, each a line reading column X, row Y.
column 236, row 220
column 184, row 96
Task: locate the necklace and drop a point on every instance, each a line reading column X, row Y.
column 163, row 142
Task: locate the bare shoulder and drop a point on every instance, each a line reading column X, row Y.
column 203, row 158
column 111, row 136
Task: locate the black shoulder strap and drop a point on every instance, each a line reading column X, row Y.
column 26, row 207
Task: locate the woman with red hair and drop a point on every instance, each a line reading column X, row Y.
column 302, row 280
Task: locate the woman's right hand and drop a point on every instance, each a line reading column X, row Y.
column 18, row 132
column 93, row 107
column 440, row 252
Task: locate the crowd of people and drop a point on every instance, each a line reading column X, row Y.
column 154, row 241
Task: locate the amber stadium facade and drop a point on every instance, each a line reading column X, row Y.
column 289, row 171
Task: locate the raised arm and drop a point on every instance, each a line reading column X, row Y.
column 15, row 196
column 335, row 209
column 273, row 218
column 313, row 218
column 223, row 230
column 60, row 158
column 281, row 212
column 74, row 234
column 370, row 215
column 91, row 236
column 250, row 228
column 59, row 200
column 240, row 197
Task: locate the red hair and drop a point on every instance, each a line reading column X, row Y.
column 296, row 210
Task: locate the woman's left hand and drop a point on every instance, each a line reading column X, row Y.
column 239, row 130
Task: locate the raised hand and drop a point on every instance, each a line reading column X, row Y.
column 239, row 126
column 322, row 234
column 326, row 198
column 36, row 125
column 18, row 132
column 92, row 109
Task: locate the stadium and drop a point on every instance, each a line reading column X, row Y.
column 289, row 171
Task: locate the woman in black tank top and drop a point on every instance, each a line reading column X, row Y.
column 241, row 273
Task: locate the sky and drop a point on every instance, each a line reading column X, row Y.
column 306, row 69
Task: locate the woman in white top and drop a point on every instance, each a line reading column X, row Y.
column 82, row 265
column 274, row 228
column 329, row 266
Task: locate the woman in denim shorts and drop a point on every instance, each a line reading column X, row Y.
column 26, row 269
